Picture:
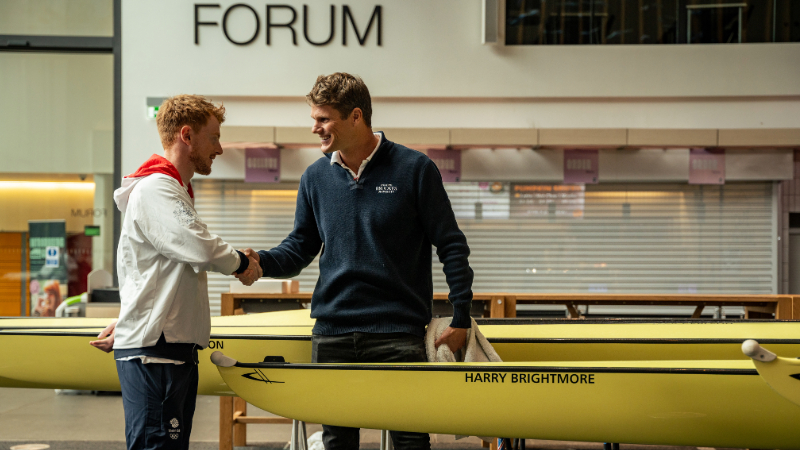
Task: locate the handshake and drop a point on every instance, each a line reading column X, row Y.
column 253, row 271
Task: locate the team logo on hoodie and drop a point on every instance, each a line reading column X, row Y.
column 184, row 214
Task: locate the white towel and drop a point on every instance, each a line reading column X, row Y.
column 477, row 348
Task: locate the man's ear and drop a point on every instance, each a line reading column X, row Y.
column 357, row 115
column 185, row 134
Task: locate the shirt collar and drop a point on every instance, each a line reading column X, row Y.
column 336, row 159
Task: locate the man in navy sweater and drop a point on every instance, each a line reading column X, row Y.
column 374, row 208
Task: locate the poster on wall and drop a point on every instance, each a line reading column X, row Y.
column 262, row 165
column 48, row 259
column 448, row 162
column 547, row 200
column 706, row 166
column 580, row 166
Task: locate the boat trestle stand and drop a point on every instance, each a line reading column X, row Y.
column 299, row 436
column 386, row 441
column 610, row 446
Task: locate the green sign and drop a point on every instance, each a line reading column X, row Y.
column 91, row 230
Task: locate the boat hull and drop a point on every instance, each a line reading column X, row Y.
column 685, row 403
column 28, row 347
column 27, row 360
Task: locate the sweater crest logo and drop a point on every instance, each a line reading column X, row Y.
column 386, row 188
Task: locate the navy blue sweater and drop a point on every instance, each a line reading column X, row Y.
column 375, row 267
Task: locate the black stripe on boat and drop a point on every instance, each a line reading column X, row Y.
column 675, row 321
column 254, row 337
column 38, row 331
column 634, row 341
column 100, row 327
column 490, row 369
column 262, row 337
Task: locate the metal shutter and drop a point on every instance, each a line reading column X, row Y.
column 628, row 238
column 615, row 238
column 248, row 215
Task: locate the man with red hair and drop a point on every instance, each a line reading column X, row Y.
column 163, row 255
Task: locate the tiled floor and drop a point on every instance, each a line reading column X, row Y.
column 38, row 415
column 82, row 422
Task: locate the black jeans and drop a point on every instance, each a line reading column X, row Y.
column 159, row 402
column 369, row 348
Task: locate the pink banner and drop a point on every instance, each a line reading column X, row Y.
column 449, row 164
column 580, row 166
column 262, row 165
column 706, row 166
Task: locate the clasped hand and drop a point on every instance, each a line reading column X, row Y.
column 253, row 271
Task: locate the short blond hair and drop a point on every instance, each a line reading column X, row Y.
column 184, row 109
column 342, row 92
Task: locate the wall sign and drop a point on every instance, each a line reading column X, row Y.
column 48, row 286
column 91, row 230
column 546, row 201
column 706, row 166
column 580, row 166
column 282, row 20
column 262, row 165
column 449, row 164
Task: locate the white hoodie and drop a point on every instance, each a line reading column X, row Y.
column 163, row 255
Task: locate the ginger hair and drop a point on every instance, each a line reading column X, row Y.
column 181, row 110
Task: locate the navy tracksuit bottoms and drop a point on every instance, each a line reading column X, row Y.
column 159, row 401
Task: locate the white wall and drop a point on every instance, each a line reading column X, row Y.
column 387, row 112
column 547, row 165
column 430, row 49
column 56, row 113
column 432, row 71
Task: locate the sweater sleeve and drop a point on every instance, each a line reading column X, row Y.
column 300, row 248
column 440, row 226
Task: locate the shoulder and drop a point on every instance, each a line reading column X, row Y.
column 154, row 188
column 318, row 166
column 160, row 183
column 401, row 154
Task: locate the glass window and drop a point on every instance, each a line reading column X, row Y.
column 581, row 22
column 56, row 178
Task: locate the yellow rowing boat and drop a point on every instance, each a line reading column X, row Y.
column 685, row 403
column 29, row 347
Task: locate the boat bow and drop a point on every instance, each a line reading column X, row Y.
column 782, row 374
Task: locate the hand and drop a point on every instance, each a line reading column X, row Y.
column 253, row 271
column 250, row 253
column 106, row 338
column 455, row 338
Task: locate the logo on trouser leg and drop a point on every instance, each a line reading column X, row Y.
column 174, row 433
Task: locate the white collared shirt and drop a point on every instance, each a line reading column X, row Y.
column 336, row 158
